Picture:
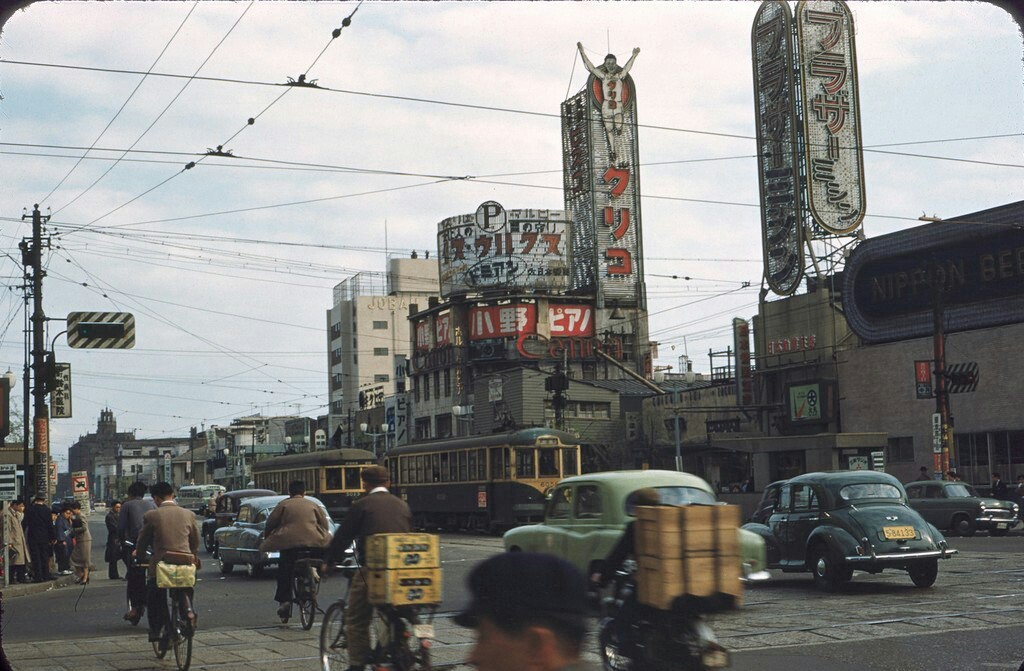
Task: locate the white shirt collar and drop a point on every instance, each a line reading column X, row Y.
column 379, row 489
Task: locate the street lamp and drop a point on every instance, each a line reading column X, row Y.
column 383, row 432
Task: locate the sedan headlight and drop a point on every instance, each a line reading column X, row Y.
column 1015, row 507
column 982, row 507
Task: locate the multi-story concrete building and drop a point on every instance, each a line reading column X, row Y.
column 368, row 338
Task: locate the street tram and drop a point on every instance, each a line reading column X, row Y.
column 330, row 475
column 487, row 483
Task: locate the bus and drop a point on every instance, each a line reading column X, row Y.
column 195, row 497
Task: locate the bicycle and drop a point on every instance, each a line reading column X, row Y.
column 178, row 630
column 305, row 586
column 398, row 638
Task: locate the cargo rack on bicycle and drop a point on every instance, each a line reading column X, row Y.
column 403, row 569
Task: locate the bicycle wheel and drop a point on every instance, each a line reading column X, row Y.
column 333, row 644
column 305, row 597
column 181, row 636
column 160, row 648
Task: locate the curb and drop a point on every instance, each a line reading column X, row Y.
column 16, row 590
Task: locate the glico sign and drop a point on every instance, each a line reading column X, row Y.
column 831, row 110
column 892, row 281
column 777, row 135
column 600, row 168
column 495, row 248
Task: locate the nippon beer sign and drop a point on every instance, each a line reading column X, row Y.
column 495, row 248
column 777, row 141
column 831, row 111
column 600, row 168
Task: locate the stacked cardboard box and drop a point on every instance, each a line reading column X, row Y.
column 403, row 569
column 687, row 550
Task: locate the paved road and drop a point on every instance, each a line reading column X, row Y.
column 972, row 620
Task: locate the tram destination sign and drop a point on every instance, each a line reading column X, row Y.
column 977, row 271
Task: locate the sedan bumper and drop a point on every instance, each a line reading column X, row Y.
column 899, row 557
column 990, row 522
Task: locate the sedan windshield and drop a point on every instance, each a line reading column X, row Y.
column 676, row 496
column 870, row 490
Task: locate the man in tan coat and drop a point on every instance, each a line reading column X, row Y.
column 296, row 525
column 171, row 532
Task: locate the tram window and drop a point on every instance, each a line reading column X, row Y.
column 472, row 465
column 404, row 468
column 499, row 456
column 352, row 480
column 453, row 467
column 525, row 466
column 435, row 468
column 392, row 471
column 419, row 469
column 481, row 464
column 445, row 475
column 568, row 462
column 463, row 470
column 560, row 504
column 548, row 463
column 333, row 478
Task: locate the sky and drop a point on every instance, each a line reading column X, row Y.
column 433, row 108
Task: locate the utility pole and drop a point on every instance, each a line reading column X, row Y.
column 192, row 455
column 941, row 457
column 675, row 412
column 40, row 413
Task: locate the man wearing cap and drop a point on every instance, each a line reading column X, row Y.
column 379, row 512
column 529, row 611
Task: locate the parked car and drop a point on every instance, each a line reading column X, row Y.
column 227, row 509
column 833, row 523
column 769, row 499
column 239, row 543
column 585, row 516
column 957, row 507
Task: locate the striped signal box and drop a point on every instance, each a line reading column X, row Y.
column 101, row 330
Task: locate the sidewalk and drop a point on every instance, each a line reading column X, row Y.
column 14, row 590
column 273, row 648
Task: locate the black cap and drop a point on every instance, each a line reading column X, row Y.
column 523, row 584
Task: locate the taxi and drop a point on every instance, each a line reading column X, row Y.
column 831, row 524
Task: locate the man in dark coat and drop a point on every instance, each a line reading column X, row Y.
column 41, row 535
column 379, row 512
column 999, row 488
column 129, row 524
column 112, row 553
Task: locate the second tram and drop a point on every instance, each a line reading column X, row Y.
column 330, row 475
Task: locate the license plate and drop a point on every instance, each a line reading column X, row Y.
column 898, row 533
column 423, row 630
column 273, row 555
column 1001, row 525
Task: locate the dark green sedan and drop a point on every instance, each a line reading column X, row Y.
column 956, row 507
column 831, row 524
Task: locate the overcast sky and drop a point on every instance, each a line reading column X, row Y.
column 434, row 108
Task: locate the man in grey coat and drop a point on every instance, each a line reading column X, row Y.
column 129, row 524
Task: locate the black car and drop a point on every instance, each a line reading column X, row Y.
column 957, row 506
column 227, row 509
column 831, row 524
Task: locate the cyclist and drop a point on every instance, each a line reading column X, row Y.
column 171, row 532
column 529, row 611
column 296, row 525
column 378, row 512
column 129, row 524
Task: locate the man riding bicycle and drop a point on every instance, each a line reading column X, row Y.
column 379, row 512
column 172, row 534
column 295, row 526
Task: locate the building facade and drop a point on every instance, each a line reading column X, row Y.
column 368, row 339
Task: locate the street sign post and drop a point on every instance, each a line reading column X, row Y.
column 923, row 378
column 936, row 432
column 60, row 397
column 8, row 482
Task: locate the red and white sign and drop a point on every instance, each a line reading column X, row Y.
column 443, row 329
column 500, row 321
column 423, row 335
column 798, row 343
column 571, row 320
column 79, row 482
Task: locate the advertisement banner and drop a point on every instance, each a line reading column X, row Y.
column 442, row 329
column 495, row 248
column 499, row 321
column 423, row 342
column 744, row 375
column 60, row 397
column 831, row 111
column 777, row 141
column 571, row 320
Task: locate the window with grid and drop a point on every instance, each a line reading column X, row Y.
column 380, row 351
column 380, row 326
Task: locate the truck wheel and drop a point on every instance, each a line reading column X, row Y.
column 963, row 525
column 924, row 572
